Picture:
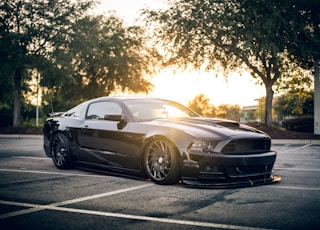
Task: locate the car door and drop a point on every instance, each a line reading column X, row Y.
column 103, row 141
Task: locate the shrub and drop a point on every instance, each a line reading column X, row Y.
column 5, row 117
column 299, row 124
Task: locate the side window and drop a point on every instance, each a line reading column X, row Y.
column 98, row 110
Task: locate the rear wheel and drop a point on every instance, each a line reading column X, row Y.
column 60, row 151
column 161, row 162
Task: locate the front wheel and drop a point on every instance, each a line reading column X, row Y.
column 161, row 162
column 60, row 151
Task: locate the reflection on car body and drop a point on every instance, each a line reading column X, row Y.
column 161, row 140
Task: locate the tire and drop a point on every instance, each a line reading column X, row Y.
column 61, row 153
column 161, row 162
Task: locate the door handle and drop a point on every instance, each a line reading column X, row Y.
column 84, row 128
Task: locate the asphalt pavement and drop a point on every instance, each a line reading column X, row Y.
column 34, row 194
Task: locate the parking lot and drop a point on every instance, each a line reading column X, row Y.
column 36, row 195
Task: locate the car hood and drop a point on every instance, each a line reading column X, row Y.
column 206, row 127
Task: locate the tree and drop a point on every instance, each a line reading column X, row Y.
column 105, row 57
column 231, row 34
column 303, row 42
column 31, row 33
column 300, row 80
column 231, row 112
column 294, row 104
column 201, row 105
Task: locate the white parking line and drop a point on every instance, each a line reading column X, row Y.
column 294, row 149
column 294, row 187
column 101, row 195
column 57, row 206
column 51, row 173
column 298, row 169
column 37, row 158
column 35, row 207
column 41, row 207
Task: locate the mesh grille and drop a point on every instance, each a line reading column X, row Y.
column 247, row 146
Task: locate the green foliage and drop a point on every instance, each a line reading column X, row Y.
column 296, row 80
column 201, row 105
column 77, row 56
column 294, row 104
column 31, row 34
column 202, row 33
column 248, row 116
column 299, row 124
column 5, row 115
column 5, row 83
column 105, row 58
column 232, row 112
column 303, row 31
column 254, row 34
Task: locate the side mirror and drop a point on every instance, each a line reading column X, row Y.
column 113, row 117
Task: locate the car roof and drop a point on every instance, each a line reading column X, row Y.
column 125, row 98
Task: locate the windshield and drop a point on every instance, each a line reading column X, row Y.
column 144, row 110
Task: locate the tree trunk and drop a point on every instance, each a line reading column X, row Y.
column 317, row 97
column 268, row 109
column 17, row 98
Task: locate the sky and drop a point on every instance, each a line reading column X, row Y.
column 184, row 86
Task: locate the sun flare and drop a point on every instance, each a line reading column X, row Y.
column 183, row 87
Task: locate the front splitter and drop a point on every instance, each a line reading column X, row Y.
column 247, row 182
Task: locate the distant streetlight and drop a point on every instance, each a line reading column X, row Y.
column 37, row 101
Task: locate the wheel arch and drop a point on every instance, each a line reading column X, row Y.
column 49, row 134
column 152, row 138
column 149, row 139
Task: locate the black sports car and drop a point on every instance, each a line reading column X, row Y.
column 158, row 139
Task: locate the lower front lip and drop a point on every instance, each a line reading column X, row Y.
column 246, row 182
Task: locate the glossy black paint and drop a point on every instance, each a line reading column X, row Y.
column 116, row 142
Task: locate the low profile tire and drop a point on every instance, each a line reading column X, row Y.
column 161, row 162
column 60, row 151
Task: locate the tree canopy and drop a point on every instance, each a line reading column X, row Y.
column 31, row 32
column 294, row 104
column 303, row 31
column 105, row 57
column 75, row 55
column 201, row 105
column 231, row 34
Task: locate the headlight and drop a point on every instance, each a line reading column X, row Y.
column 206, row 146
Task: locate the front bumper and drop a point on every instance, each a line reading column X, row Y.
column 223, row 171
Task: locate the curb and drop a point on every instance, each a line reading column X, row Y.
column 296, row 141
column 20, row 136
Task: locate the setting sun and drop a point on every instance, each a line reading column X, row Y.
column 183, row 87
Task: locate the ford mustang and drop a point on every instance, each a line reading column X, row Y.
column 160, row 140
